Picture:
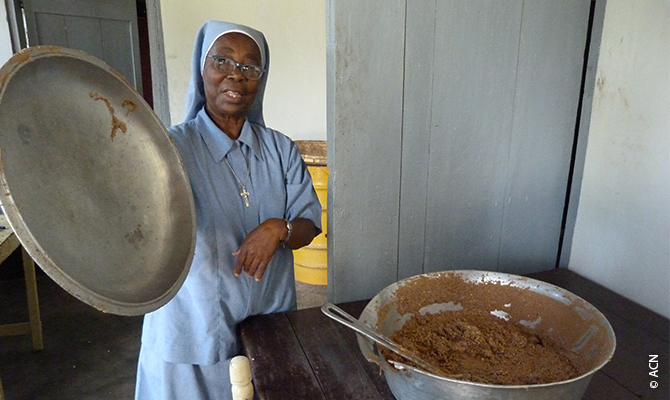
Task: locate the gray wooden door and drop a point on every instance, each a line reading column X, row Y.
column 106, row 29
column 450, row 132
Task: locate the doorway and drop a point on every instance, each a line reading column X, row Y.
column 115, row 31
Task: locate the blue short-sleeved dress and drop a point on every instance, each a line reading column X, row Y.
column 187, row 344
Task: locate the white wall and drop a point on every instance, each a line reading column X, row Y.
column 295, row 99
column 5, row 39
column 622, row 231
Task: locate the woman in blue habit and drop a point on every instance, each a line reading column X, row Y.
column 254, row 203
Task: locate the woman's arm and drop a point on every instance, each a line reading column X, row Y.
column 302, row 234
column 260, row 245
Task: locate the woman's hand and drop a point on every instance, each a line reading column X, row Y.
column 259, row 247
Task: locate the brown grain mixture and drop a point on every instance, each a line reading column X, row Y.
column 485, row 349
column 474, row 345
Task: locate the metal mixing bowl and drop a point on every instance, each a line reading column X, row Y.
column 91, row 182
column 557, row 314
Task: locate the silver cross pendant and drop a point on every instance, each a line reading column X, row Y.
column 244, row 194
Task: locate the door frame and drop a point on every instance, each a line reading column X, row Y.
column 158, row 66
column 156, row 49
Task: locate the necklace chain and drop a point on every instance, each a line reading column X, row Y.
column 243, row 185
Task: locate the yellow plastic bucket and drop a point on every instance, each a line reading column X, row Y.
column 311, row 262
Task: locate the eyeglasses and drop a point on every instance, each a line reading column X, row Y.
column 226, row 66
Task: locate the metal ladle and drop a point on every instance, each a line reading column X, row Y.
column 349, row 321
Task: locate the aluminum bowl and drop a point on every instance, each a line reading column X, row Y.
column 563, row 316
column 91, row 182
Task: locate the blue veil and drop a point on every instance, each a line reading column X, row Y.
column 207, row 35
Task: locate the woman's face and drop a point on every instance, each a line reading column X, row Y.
column 230, row 95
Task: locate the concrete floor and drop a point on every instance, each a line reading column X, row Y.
column 311, row 295
column 88, row 355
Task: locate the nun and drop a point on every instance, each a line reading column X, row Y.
column 254, row 203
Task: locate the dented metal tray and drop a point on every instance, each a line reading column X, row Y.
column 91, row 182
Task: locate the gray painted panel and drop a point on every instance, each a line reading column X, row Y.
column 112, row 9
column 158, row 67
column 475, row 70
column 416, row 136
column 493, row 131
column 365, row 114
column 82, row 34
column 54, row 24
column 87, row 25
column 331, row 80
column 116, row 43
column 547, row 94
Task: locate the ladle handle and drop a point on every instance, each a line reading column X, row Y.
column 348, row 320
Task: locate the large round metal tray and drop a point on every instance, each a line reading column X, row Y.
column 91, row 182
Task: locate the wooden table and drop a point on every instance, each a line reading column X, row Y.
column 305, row 355
column 8, row 243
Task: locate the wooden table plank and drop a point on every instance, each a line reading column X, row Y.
column 334, row 358
column 8, row 240
column 602, row 387
column 374, row 372
column 639, row 333
column 280, row 369
column 630, row 368
column 606, row 299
